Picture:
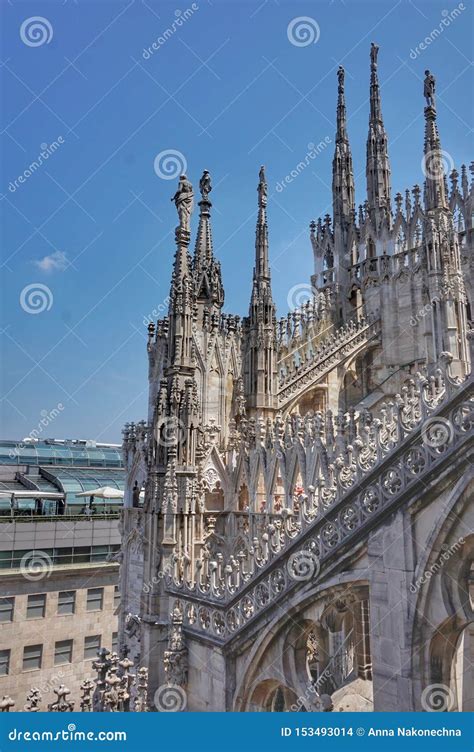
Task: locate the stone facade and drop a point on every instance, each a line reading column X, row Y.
column 54, row 608
column 306, row 537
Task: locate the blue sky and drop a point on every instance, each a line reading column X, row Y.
column 93, row 225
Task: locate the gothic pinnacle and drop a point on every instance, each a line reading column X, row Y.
column 378, row 167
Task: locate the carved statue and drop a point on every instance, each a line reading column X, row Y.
column 205, row 186
column 374, row 51
column 262, row 188
column 184, row 201
column 429, row 89
column 136, row 495
column 340, row 77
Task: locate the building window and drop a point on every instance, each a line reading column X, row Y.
column 114, row 642
column 7, row 608
column 95, row 599
column 4, row 662
column 62, row 652
column 36, row 606
column 91, row 646
column 116, row 597
column 32, row 657
column 67, row 602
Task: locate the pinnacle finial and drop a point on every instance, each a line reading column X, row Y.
column 205, row 186
column 184, row 202
column 340, row 79
column 262, row 188
column 374, row 51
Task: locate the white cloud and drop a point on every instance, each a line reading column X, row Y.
column 56, row 261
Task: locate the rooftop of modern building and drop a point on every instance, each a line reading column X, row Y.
column 44, row 477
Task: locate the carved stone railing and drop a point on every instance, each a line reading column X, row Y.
column 326, row 356
column 423, row 434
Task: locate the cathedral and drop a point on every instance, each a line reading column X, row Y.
column 305, row 540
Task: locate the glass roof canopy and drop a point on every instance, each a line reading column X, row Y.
column 75, row 481
column 79, row 454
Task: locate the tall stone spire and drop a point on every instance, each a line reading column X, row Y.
column 262, row 270
column 181, row 291
column 260, row 345
column 435, row 180
column 378, row 167
column 206, row 270
column 343, row 195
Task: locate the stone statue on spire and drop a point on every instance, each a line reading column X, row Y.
column 340, row 78
column 429, row 89
column 184, row 201
column 205, row 186
column 374, row 51
column 262, row 188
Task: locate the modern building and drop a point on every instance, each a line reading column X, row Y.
column 58, row 564
column 306, row 537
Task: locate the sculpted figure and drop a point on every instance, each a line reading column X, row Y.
column 184, row 202
column 429, row 89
